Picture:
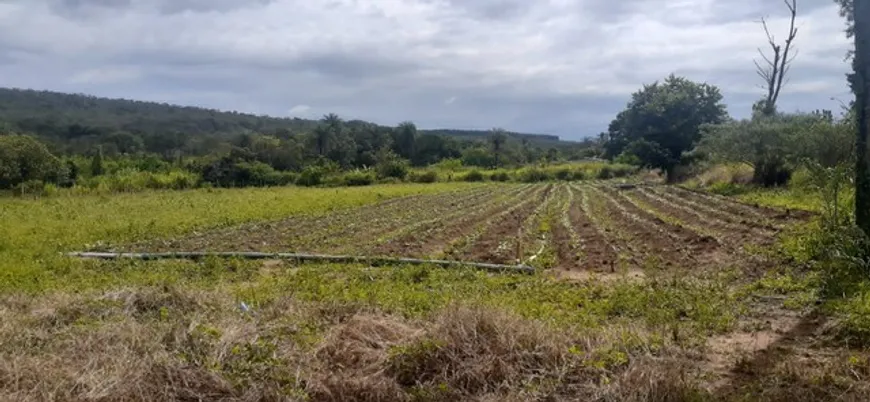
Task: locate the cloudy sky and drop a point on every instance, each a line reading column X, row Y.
column 563, row 67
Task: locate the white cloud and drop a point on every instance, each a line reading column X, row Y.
column 563, row 66
column 299, row 110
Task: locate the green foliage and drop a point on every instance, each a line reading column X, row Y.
column 390, row 165
column 534, row 175
column 497, row 138
column 479, row 157
column 500, row 176
column 473, row 176
column 24, row 159
column 39, row 230
column 774, row 146
column 564, row 174
column 358, row 178
column 97, row 163
column 663, row 121
column 429, row 176
column 311, row 176
column 605, row 173
column 627, row 158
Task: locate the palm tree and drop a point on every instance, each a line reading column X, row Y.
column 327, row 131
column 497, row 137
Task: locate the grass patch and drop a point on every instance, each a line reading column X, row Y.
column 34, row 231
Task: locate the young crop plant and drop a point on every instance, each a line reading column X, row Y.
column 464, row 245
column 668, row 218
column 576, row 243
column 720, row 214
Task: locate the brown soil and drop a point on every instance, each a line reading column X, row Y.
column 438, row 236
column 498, row 242
column 661, row 242
column 596, row 252
column 740, row 208
column 310, row 233
column 759, row 226
column 731, row 235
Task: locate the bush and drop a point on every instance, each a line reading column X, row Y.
column 425, row 177
column 579, row 175
column 500, row 176
column 389, row 180
column 358, row 178
column 473, row 176
column 311, row 176
column 24, row 159
column 534, row 175
column 564, row 174
column 30, row 187
column 393, row 167
column 605, row 173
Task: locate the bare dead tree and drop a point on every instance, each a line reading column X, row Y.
column 776, row 67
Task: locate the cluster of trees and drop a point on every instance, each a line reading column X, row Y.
column 678, row 122
column 78, row 124
column 228, row 148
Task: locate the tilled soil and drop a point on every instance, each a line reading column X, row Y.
column 498, row 242
column 439, row 234
column 588, row 228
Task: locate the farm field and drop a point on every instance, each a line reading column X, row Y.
column 575, row 230
column 641, row 292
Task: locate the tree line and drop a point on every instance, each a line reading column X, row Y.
column 76, row 134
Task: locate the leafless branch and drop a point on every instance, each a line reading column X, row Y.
column 777, row 68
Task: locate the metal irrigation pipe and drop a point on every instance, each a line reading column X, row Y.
column 303, row 258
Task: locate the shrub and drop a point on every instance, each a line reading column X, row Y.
column 393, row 167
column 579, row 175
column 564, row 174
column 358, row 178
column 605, row 173
column 473, row 175
column 500, row 176
column 311, row 176
column 534, row 175
column 30, row 187
column 389, row 180
column 425, row 177
column 25, row 159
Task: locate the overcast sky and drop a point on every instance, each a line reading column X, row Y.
column 563, row 67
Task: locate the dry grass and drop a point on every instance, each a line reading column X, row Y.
column 731, row 174
column 165, row 344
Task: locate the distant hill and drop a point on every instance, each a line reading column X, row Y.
column 61, row 118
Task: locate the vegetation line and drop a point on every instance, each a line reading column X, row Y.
column 299, row 257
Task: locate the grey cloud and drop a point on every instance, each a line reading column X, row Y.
column 81, row 7
column 560, row 67
column 492, row 9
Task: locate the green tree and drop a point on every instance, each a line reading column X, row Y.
column 497, row 138
column 774, row 145
column 405, row 140
column 330, row 128
column 23, row 158
column 97, row 163
column 669, row 114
